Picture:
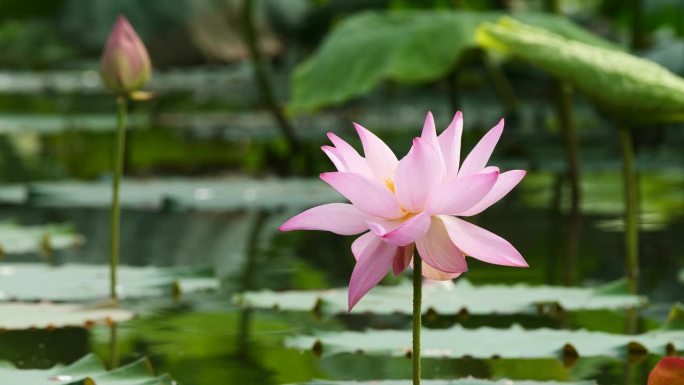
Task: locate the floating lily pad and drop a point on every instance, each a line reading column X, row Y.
column 514, row 342
column 463, row 381
column 75, row 282
column 451, row 299
column 16, row 239
column 89, row 370
column 19, row 316
column 88, row 81
column 200, row 194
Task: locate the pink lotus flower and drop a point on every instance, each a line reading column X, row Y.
column 125, row 65
column 413, row 203
column 669, row 371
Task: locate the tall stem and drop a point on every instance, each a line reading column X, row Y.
column 263, row 80
column 638, row 32
column 631, row 208
column 113, row 347
column 115, row 225
column 417, row 312
column 501, row 84
column 571, row 141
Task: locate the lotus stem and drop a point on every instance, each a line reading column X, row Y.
column 454, row 89
column 113, row 347
column 571, row 141
column 637, row 25
column 258, row 221
column 501, row 84
column 417, row 312
column 263, row 80
column 631, row 208
column 115, row 226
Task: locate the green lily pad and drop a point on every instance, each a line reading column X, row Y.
column 75, row 282
column 621, row 84
column 89, row 370
column 200, row 194
column 462, row 381
column 405, row 46
column 20, row 316
column 486, row 342
column 16, row 239
column 89, row 81
column 451, row 299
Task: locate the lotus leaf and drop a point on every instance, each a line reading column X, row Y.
column 75, row 282
column 451, row 299
column 86, row 371
column 19, row 316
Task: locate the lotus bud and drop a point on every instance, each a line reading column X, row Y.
column 669, row 371
column 125, row 65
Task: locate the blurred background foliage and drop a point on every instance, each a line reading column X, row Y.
column 565, row 74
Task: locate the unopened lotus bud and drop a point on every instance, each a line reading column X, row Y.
column 669, row 371
column 125, row 65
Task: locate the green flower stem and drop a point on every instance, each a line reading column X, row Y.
column 263, row 80
column 571, row 141
column 115, row 225
column 113, row 347
column 417, row 312
column 631, row 208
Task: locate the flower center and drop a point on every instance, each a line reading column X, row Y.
column 390, row 185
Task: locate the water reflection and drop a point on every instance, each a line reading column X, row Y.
column 204, row 339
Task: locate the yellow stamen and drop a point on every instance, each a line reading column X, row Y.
column 390, row 184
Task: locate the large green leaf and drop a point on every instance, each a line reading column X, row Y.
column 75, row 282
column 200, row 194
column 450, row 299
column 89, row 370
column 406, row 46
column 19, row 316
column 620, row 84
column 463, row 381
column 485, row 342
column 15, row 239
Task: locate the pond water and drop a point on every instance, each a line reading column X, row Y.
column 205, row 338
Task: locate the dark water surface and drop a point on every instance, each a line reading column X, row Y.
column 204, row 339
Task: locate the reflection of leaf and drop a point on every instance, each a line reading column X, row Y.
column 201, row 194
column 218, row 346
column 87, row 370
column 18, row 316
column 486, row 342
column 15, row 239
column 415, row 46
column 464, row 381
column 445, row 299
column 73, row 282
column 621, row 84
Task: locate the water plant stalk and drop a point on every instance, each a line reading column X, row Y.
column 113, row 346
column 631, row 206
column 571, row 141
column 115, row 225
column 417, row 313
column 638, row 32
column 264, row 81
column 500, row 82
